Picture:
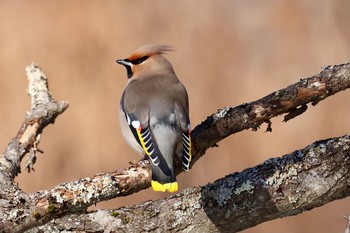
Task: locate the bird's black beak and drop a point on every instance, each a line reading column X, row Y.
column 127, row 64
column 123, row 62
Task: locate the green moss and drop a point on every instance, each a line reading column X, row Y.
column 125, row 220
column 121, row 216
column 115, row 214
column 317, row 149
column 51, row 208
column 36, row 215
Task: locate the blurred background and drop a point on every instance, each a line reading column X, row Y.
column 227, row 53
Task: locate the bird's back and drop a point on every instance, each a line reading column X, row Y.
column 155, row 96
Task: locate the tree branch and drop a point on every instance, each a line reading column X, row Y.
column 291, row 101
column 44, row 111
column 20, row 211
column 279, row 187
column 14, row 203
column 347, row 218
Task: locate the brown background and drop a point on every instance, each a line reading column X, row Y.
column 228, row 53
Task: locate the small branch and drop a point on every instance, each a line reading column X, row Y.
column 44, row 111
column 279, row 187
column 38, row 87
column 291, row 101
column 347, row 229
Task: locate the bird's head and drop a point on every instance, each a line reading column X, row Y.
column 147, row 61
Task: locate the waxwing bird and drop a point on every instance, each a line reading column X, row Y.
column 154, row 114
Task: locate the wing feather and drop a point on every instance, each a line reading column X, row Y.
column 143, row 137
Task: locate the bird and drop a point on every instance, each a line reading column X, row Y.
column 154, row 114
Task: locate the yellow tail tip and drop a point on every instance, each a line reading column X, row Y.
column 170, row 187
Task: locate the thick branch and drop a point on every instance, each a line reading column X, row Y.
column 279, row 187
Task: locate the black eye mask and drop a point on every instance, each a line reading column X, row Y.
column 139, row 60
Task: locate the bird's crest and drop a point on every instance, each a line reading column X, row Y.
column 149, row 50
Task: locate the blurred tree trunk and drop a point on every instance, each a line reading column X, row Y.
column 291, row 184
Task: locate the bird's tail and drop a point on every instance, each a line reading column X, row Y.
column 163, row 178
column 163, row 174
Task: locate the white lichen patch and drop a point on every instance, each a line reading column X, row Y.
column 245, row 118
column 272, row 179
column 340, row 73
column 106, row 181
column 258, row 111
column 91, row 192
column 177, row 204
column 279, row 178
column 179, row 217
column 105, row 219
column 246, row 186
column 293, row 199
column 313, row 182
column 311, row 152
column 344, row 142
column 313, row 155
column 37, row 86
column 58, row 197
column 136, row 173
column 190, row 203
column 222, row 113
column 323, row 148
column 315, row 85
column 14, row 213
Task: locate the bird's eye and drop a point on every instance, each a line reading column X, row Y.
column 139, row 60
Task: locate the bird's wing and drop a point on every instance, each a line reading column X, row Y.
column 186, row 149
column 136, row 113
column 182, row 111
column 143, row 136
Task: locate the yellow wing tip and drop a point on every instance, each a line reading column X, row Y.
column 170, row 187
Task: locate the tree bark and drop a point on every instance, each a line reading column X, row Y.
column 279, row 187
column 273, row 189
